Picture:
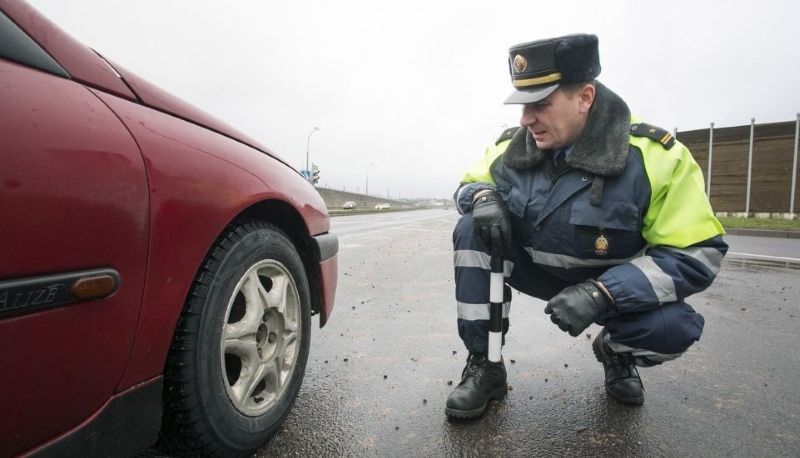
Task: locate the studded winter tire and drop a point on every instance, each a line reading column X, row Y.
column 240, row 348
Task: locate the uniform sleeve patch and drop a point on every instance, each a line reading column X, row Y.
column 506, row 135
column 653, row 133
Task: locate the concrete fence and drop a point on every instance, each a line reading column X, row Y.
column 753, row 168
column 335, row 199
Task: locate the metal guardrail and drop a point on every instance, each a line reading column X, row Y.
column 761, row 261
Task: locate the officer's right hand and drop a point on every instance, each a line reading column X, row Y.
column 488, row 212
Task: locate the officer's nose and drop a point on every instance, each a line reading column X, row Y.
column 528, row 115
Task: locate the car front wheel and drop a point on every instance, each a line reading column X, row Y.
column 241, row 345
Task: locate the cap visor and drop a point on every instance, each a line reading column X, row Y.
column 522, row 97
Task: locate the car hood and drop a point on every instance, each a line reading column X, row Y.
column 89, row 67
column 154, row 97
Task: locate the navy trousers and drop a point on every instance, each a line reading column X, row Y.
column 652, row 337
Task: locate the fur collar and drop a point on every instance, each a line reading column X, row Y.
column 602, row 148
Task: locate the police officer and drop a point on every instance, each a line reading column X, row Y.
column 601, row 215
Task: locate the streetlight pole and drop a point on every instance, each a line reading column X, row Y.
column 366, row 184
column 308, row 146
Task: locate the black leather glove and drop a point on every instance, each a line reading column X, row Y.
column 488, row 213
column 577, row 306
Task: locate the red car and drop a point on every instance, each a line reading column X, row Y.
column 158, row 269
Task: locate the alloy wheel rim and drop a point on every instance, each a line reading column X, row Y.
column 260, row 337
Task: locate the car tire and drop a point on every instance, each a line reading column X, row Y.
column 240, row 347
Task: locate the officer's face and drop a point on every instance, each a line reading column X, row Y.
column 558, row 120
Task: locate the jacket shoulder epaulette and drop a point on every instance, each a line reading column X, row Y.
column 658, row 134
column 506, row 135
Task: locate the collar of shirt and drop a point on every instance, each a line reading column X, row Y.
column 560, row 156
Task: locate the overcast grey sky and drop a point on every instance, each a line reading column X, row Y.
column 416, row 87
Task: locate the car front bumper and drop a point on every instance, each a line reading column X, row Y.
column 326, row 248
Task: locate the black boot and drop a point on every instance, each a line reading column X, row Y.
column 622, row 378
column 481, row 381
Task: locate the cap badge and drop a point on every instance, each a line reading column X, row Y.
column 520, row 64
column 601, row 246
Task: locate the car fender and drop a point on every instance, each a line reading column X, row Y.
column 199, row 182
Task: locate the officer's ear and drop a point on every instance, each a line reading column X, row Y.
column 586, row 97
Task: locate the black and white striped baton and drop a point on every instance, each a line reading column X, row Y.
column 496, row 297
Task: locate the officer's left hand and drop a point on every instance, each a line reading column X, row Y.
column 577, row 306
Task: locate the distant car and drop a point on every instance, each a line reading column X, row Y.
column 349, row 205
column 159, row 269
column 382, row 206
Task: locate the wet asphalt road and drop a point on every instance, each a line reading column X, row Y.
column 380, row 371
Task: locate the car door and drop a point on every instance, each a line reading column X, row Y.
column 73, row 243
